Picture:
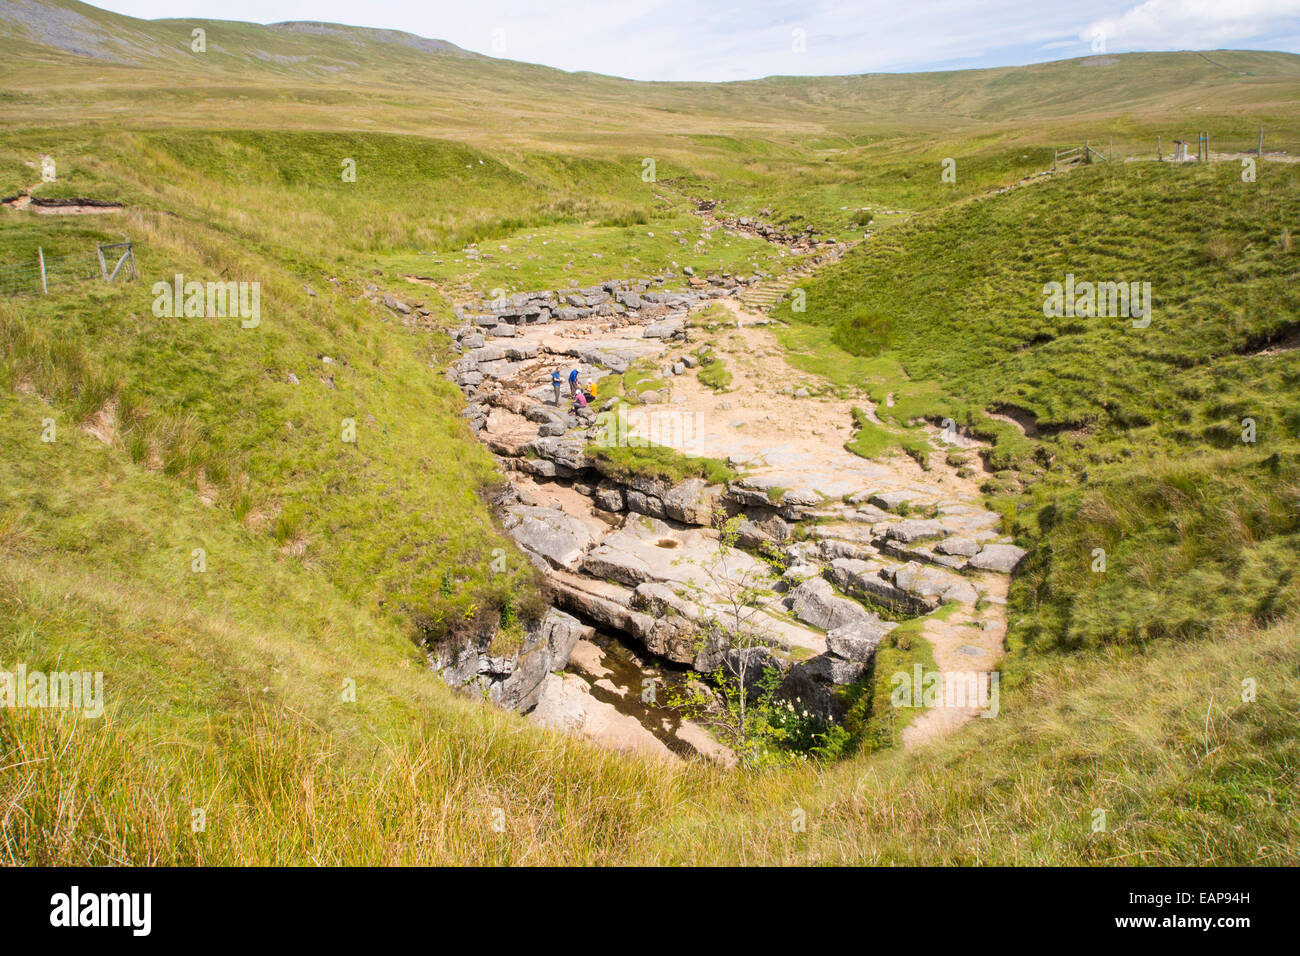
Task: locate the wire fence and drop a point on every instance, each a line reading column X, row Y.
column 47, row 275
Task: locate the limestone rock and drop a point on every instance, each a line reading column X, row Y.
column 815, row 602
column 550, row 533
column 998, row 557
column 858, row 641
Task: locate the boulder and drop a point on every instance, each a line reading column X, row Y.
column 858, row 641
column 914, row 529
column 666, row 329
column 834, row 669
column 998, row 557
column 815, row 602
column 609, row 498
column 551, row 534
column 934, row 584
column 958, row 547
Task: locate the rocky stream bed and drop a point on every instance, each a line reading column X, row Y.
column 632, row 563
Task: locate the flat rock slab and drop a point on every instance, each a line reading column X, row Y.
column 998, row 557
column 931, row 582
column 560, row 539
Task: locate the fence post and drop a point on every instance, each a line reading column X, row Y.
column 103, row 266
column 45, row 290
column 1159, row 154
column 1260, row 152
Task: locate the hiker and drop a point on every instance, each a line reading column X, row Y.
column 573, row 382
column 555, row 384
column 591, row 391
column 579, row 402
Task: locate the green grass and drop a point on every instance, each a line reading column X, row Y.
column 658, row 462
column 212, row 405
column 1135, row 433
column 713, row 373
column 875, row 441
column 872, row 720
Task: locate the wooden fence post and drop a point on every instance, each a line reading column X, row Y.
column 103, row 266
column 45, row 289
column 1159, row 155
column 1260, row 152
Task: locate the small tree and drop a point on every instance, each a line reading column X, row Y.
column 733, row 625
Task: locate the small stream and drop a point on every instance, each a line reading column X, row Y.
column 628, row 667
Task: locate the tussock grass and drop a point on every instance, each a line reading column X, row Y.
column 1134, row 437
column 659, row 462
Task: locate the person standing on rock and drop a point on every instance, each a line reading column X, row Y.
column 555, row 384
column 573, row 382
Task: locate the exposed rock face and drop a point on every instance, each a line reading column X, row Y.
column 914, row 529
column 550, row 534
column 638, row 556
column 858, row 641
column 932, row 584
column 561, row 703
column 694, row 501
column 514, row 681
column 546, row 649
column 871, row 580
column 815, row 602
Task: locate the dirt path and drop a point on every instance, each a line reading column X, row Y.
column 966, row 645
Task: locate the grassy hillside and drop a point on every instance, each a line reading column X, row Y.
column 328, row 561
column 226, row 694
column 1135, row 441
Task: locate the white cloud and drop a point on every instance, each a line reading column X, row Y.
column 729, row 40
column 1194, row 24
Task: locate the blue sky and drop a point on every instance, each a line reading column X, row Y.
column 727, row 40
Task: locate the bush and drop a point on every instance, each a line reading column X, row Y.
column 865, row 332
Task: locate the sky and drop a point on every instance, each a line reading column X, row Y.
column 720, row 40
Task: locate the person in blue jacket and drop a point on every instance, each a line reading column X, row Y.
column 573, row 383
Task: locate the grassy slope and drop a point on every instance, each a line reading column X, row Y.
column 224, row 688
column 1140, row 449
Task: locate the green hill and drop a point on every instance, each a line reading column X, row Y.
column 328, row 563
